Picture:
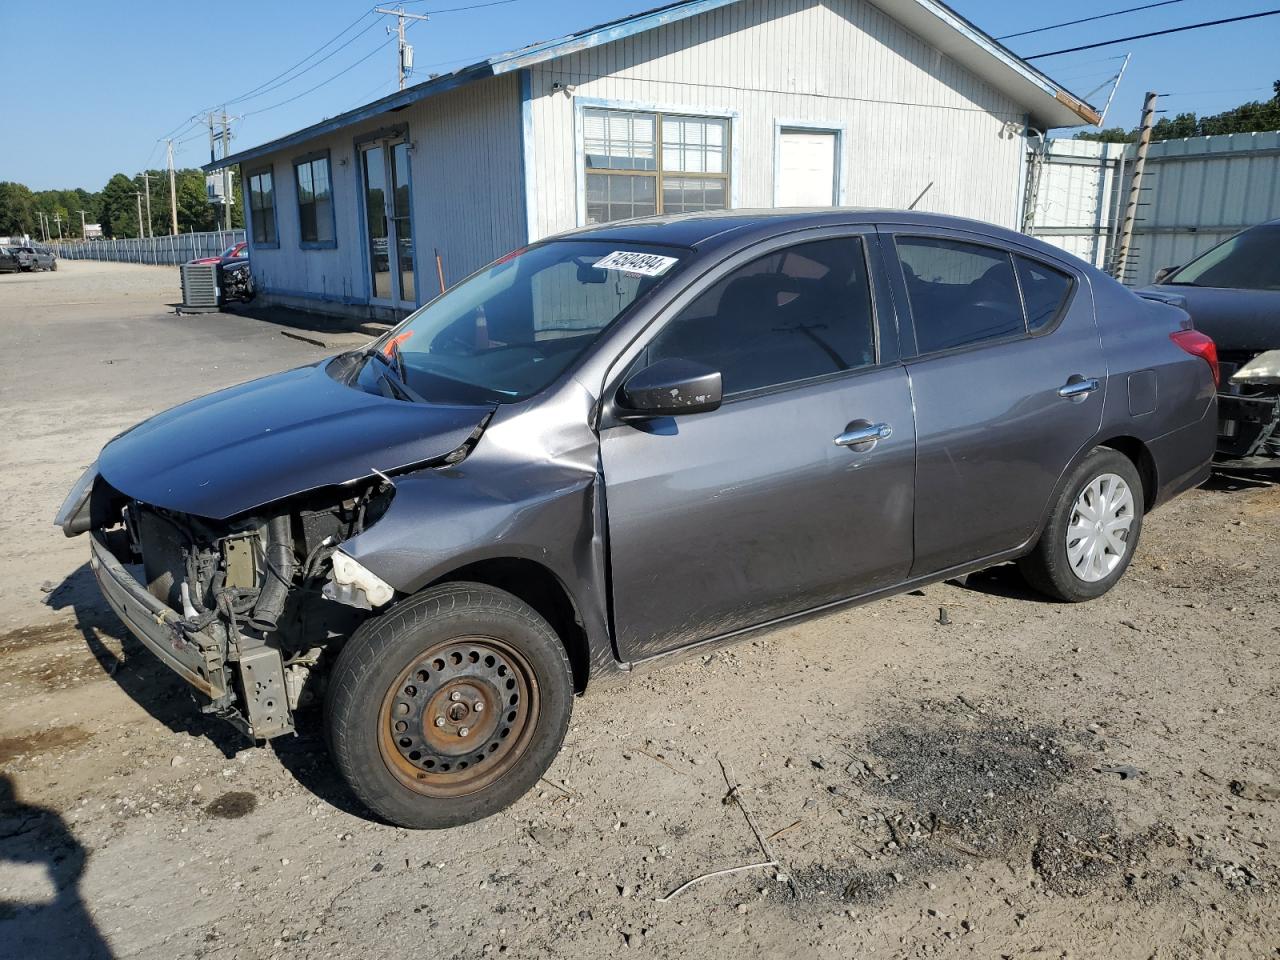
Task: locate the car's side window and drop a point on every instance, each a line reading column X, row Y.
column 960, row 293
column 794, row 314
column 1044, row 291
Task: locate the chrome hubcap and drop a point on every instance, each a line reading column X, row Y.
column 1098, row 532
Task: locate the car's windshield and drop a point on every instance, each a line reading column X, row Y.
column 1248, row 261
column 509, row 330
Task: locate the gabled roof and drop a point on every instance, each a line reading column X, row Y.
column 1049, row 103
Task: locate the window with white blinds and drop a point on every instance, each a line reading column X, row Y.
column 640, row 164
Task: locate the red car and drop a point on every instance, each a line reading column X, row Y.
column 236, row 252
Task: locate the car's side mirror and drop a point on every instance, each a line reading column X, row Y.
column 1164, row 273
column 670, row 388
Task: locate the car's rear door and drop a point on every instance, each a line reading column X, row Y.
column 1008, row 377
column 723, row 520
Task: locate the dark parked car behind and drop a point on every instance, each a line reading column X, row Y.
column 37, row 258
column 1233, row 294
column 9, row 261
column 622, row 444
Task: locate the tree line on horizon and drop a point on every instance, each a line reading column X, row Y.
column 115, row 207
column 1256, row 116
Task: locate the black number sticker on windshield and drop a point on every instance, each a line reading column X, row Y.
column 638, row 264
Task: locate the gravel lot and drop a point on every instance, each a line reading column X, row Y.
column 1031, row 779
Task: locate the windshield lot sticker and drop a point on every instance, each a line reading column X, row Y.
column 638, row 264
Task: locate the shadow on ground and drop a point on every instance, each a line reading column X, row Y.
column 57, row 927
column 169, row 701
column 1002, row 581
column 306, row 321
column 149, row 683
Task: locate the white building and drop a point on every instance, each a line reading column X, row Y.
column 698, row 105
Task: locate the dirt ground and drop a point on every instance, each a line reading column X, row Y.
column 1028, row 780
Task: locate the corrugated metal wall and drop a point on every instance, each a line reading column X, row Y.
column 1204, row 189
column 466, row 187
column 910, row 116
column 1196, row 193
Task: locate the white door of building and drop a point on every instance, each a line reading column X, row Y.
column 806, row 168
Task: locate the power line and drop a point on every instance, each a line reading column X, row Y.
column 1101, row 16
column 1154, row 33
column 196, row 119
column 473, row 6
column 264, row 88
column 299, row 96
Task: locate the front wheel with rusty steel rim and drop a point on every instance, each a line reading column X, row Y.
column 458, row 718
column 450, row 706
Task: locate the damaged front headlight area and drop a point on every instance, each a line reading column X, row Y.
column 241, row 608
column 74, row 514
column 1262, row 369
column 1249, row 409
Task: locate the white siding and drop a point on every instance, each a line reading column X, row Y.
column 468, row 198
column 911, row 116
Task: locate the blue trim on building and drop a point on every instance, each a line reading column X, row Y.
column 528, row 172
column 332, row 243
column 247, row 176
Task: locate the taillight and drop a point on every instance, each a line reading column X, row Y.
column 1198, row 345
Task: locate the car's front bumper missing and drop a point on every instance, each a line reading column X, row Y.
column 257, row 706
column 1248, row 430
column 194, row 655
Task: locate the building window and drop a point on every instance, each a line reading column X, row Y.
column 315, row 201
column 640, row 164
column 262, row 209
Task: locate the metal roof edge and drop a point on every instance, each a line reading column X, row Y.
column 1005, row 56
column 394, row 101
column 630, row 26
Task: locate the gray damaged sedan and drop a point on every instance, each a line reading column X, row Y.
column 626, row 443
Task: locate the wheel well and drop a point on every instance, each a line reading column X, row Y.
column 541, row 589
column 1137, row 451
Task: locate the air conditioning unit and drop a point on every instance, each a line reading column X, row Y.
column 200, row 291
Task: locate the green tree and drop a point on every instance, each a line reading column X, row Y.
column 118, row 211
column 17, row 210
column 1109, row 135
column 1252, row 117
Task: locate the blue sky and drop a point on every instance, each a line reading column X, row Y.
column 130, row 72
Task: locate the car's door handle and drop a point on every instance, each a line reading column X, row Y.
column 1078, row 387
column 860, row 432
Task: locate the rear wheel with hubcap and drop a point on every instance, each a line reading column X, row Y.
column 1092, row 530
column 449, row 707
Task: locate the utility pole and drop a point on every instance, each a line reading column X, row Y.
column 226, row 171
column 57, row 219
column 1124, row 242
column 146, row 191
column 173, row 191
column 44, row 225
column 138, row 194
column 83, row 231
column 404, row 51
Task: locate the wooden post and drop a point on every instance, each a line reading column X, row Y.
column 1125, row 241
column 439, row 269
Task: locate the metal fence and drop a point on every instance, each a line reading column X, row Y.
column 1197, row 192
column 160, row 250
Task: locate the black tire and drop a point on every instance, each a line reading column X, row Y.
column 1047, row 568
column 395, row 689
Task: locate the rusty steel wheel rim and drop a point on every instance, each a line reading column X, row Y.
column 458, row 717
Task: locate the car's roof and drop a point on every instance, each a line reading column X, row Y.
column 714, row 227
